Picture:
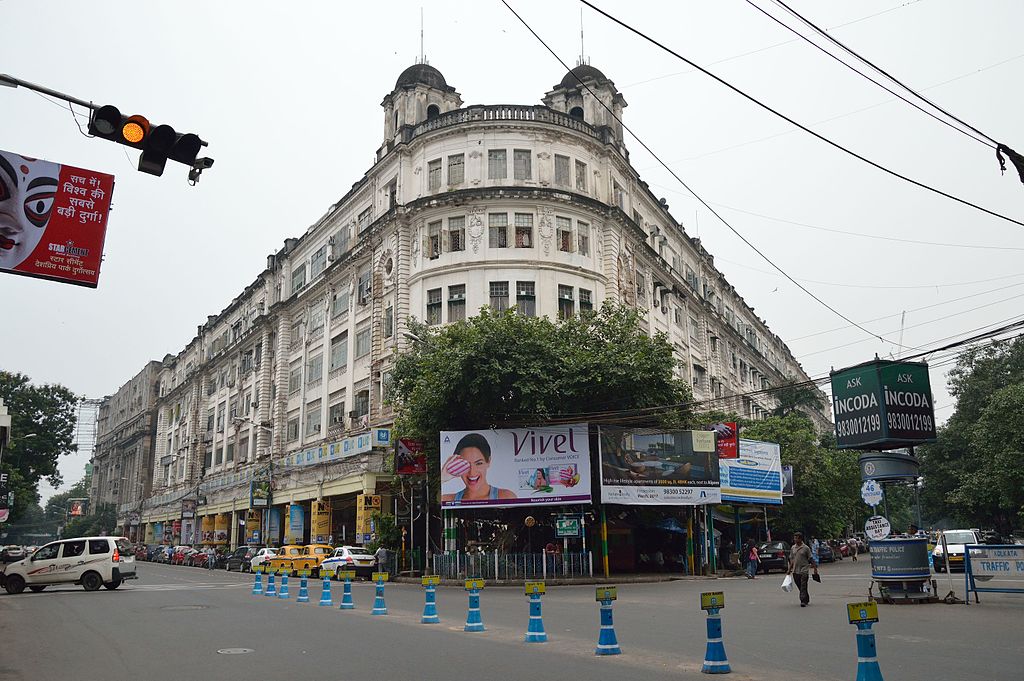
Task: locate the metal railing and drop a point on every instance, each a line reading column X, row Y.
column 514, row 566
column 500, row 112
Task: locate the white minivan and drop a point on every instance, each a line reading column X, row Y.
column 90, row 561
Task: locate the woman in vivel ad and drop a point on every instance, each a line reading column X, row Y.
column 470, row 462
column 27, row 188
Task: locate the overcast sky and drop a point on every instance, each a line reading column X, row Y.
column 288, row 96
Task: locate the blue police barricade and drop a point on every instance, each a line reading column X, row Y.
column 985, row 562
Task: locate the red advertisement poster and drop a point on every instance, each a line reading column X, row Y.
column 410, row 458
column 53, row 219
column 727, row 440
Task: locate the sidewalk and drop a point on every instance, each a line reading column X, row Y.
column 614, row 579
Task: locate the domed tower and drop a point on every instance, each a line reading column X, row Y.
column 581, row 94
column 421, row 93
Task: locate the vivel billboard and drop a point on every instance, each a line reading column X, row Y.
column 883, row 405
column 53, row 219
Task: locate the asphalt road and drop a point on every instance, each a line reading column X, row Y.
column 175, row 622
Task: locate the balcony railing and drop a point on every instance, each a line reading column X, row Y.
column 501, row 112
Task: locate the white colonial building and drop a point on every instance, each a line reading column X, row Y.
column 534, row 207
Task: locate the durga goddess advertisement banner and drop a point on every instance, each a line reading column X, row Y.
column 518, row 467
column 53, row 219
column 207, row 536
column 221, row 528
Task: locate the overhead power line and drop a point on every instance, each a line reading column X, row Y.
column 689, row 189
column 792, row 121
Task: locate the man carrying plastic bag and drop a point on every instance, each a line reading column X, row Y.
column 800, row 565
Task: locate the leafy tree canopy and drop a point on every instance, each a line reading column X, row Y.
column 48, row 413
column 974, row 472
column 506, row 370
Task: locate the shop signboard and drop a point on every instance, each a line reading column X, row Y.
column 546, row 465
column 410, row 459
column 59, row 219
column 366, row 506
column 755, row 476
column 320, row 522
column 158, row 532
column 259, row 488
column 669, row 468
column 787, row 481
column 221, row 528
column 188, row 531
column 883, row 405
column 253, row 520
column 296, row 524
column 176, row 529
column 168, row 533
column 188, row 508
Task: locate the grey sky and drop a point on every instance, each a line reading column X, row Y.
column 288, row 96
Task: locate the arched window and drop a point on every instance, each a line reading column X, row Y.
column 433, row 111
column 576, row 112
column 395, row 126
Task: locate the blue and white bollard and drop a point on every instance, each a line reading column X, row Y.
column 270, row 590
column 257, row 586
column 325, row 592
column 379, row 606
column 715, row 661
column 867, row 656
column 535, row 630
column 430, row 615
column 283, row 591
column 303, row 588
column 474, row 622
column 346, row 592
column 607, row 643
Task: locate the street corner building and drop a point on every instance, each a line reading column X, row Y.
column 271, row 423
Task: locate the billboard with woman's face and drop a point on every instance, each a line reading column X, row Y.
column 519, row 467
column 53, row 219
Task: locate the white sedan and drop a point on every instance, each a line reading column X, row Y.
column 263, row 555
column 348, row 558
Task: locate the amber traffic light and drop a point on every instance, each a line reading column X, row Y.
column 157, row 142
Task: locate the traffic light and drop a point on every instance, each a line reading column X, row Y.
column 157, row 142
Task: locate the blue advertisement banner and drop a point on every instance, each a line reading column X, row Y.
column 755, row 476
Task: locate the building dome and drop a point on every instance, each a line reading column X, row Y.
column 424, row 74
column 581, row 72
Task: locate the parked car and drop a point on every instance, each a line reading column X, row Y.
column 12, row 553
column 178, row 557
column 190, row 556
column 283, row 558
column 774, row 556
column 262, row 556
column 840, row 548
column 241, row 558
column 90, row 561
column 825, row 553
column 349, row 558
column 955, row 542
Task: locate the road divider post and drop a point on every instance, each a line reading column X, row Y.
column 430, row 615
column 715, row 661
column 535, row 629
column 474, row 622
column 270, row 591
column 379, row 606
column 303, row 587
column 325, row 590
column 282, row 593
column 607, row 643
column 346, row 589
column 864, row 615
column 257, row 585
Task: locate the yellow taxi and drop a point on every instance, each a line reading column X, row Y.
column 284, row 558
column 294, row 557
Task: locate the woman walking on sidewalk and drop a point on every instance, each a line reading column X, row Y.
column 753, row 560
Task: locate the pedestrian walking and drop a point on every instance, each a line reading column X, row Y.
column 815, row 547
column 800, row 565
column 753, row 561
column 852, row 543
column 211, row 558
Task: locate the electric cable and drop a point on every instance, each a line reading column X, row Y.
column 862, row 74
column 695, row 195
column 792, row 121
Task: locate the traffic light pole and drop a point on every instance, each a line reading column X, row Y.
column 11, row 81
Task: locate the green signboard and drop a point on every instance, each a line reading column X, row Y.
column 883, row 405
column 567, row 526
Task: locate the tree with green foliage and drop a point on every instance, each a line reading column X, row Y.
column 796, row 395
column 99, row 523
column 974, row 472
column 500, row 370
column 47, row 412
